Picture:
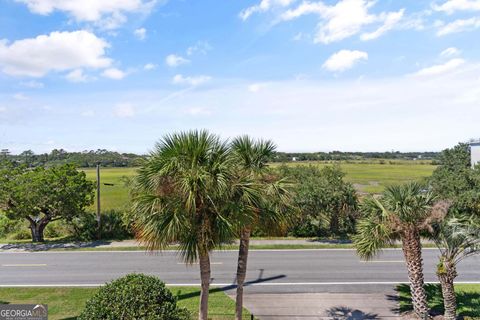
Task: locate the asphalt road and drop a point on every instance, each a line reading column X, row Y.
column 269, row 270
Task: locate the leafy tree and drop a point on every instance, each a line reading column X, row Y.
column 402, row 213
column 43, row 195
column 456, row 239
column 327, row 203
column 268, row 210
column 183, row 193
column 455, row 180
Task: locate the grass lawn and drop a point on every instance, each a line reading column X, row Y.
column 370, row 177
column 116, row 196
column 468, row 299
column 67, row 303
column 374, row 177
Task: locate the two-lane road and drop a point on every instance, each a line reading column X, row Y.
column 269, row 270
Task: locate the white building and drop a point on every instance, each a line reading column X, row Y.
column 475, row 150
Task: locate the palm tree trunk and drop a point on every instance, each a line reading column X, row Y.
column 412, row 250
column 446, row 273
column 205, row 279
column 242, row 270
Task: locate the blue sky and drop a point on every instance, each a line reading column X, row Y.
column 351, row 75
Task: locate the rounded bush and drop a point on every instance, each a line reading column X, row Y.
column 134, row 297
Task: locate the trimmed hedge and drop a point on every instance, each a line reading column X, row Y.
column 134, row 297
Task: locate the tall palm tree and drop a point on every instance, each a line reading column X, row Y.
column 402, row 213
column 181, row 195
column 456, row 239
column 269, row 210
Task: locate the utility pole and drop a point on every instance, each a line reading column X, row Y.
column 99, row 225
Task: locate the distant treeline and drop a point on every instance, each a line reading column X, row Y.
column 107, row 158
column 339, row 155
column 82, row 159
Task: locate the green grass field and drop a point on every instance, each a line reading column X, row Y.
column 116, row 196
column 373, row 177
column 68, row 303
column 468, row 299
column 367, row 177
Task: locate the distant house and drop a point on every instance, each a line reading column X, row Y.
column 294, row 158
column 475, row 151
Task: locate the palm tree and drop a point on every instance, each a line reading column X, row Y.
column 268, row 210
column 181, row 195
column 456, row 239
column 402, row 213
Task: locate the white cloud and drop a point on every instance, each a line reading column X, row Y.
column 149, row 66
column 58, row 51
column 451, row 6
column 108, row 14
column 140, row 33
column 440, row 68
column 459, row 25
column 256, row 87
column 449, row 52
column 344, row 19
column 391, row 20
column 344, row 60
column 114, row 73
column 173, row 60
column 201, row 47
column 32, row 84
column 76, row 75
column 263, row 6
column 124, row 110
column 20, row 96
column 192, row 81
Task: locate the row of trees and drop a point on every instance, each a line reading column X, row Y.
column 201, row 192
column 84, row 159
column 447, row 211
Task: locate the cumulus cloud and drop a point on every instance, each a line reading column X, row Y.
column 459, row 25
column 201, row 47
column 449, row 52
column 114, row 73
column 76, row 75
column 344, row 60
column 109, row 14
column 451, row 6
column 344, row 19
column 263, row 6
column 149, row 66
column 256, row 87
column 192, row 81
column 440, row 69
column 124, row 110
column 391, row 20
column 173, row 60
column 140, row 33
column 58, row 51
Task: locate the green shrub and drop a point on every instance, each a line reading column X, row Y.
column 21, row 234
column 113, row 226
column 9, row 226
column 57, row 229
column 135, row 296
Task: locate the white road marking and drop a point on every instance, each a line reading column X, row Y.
column 196, row 263
column 175, row 251
column 383, row 261
column 25, row 265
column 264, row 284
